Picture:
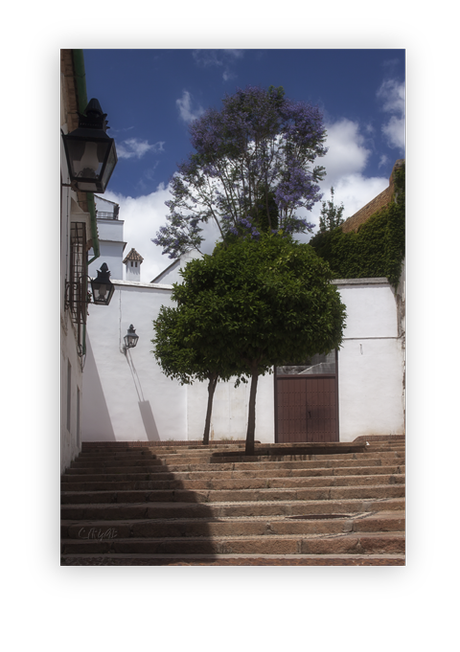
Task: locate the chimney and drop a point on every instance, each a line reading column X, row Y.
column 133, row 263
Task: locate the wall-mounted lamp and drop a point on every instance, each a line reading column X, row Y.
column 130, row 338
column 91, row 154
column 102, row 286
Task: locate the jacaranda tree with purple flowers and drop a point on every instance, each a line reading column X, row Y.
column 252, row 170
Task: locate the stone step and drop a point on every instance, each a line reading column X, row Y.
column 239, row 495
column 212, row 482
column 157, row 466
column 315, row 504
column 355, row 543
column 255, row 526
column 168, row 510
column 233, row 560
column 159, row 475
column 224, row 456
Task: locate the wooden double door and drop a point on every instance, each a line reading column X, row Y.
column 306, row 401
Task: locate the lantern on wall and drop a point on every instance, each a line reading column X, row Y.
column 130, row 338
column 102, row 286
column 90, row 152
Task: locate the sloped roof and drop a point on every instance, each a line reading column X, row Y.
column 133, row 255
column 383, row 199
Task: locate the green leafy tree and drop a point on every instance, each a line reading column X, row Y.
column 175, row 334
column 331, row 215
column 256, row 304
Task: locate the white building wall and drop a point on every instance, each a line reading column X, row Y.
column 370, row 361
column 70, row 376
column 111, row 245
column 230, row 410
column 127, row 397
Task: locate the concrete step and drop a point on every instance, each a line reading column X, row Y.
column 255, row 526
column 223, row 483
column 359, row 543
column 155, row 510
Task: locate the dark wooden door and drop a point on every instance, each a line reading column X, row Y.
column 306, row 401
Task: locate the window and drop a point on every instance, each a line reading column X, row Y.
column 77, row 289
column 69, row 394
column 77, row 285
column 317, row 364
column 78, row 417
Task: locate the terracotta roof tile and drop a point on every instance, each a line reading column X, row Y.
column 133, row 255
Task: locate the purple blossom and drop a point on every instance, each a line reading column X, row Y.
column 258, row 140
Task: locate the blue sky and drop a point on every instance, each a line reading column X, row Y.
column 152, row 95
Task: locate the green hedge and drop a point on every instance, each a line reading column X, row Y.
column 376, row 249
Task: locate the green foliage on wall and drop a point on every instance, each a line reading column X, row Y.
column 376, row 249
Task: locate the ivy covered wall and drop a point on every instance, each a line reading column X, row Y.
column 376, row 249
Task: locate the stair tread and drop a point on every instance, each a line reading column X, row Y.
column 219, row 506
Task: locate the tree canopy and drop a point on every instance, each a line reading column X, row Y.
column 251, row 171
column 259, row 303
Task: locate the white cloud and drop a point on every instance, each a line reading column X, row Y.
column 186, row 112
column 347, row 153
column 208, row 58
column 392, row 95
column 345, row 164
column 135, row 148
column 218, row 58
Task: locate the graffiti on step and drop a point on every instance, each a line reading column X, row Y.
column 97, row 533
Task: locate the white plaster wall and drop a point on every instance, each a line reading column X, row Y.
column 230, row 410
column 69, row 428
column 370, row 388
column 110, row 253
column 370, row 361
column 127, row 403
column 111, row 246
column 371, row 308
column 121, row 406
column 110, row 229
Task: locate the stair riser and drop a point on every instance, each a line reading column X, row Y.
column 261, row 545
column 174, row 460
column 148, row 467
column 187, row 528
column 233, row 475
column 243, row 495
column 231, row 484
column 208, row 510
column 162, row 505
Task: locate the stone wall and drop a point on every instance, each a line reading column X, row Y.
column 354, row 222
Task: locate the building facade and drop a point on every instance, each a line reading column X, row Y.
column 361, row 392
column 79, row 247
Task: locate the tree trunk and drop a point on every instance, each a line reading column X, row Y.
column 211, row 389
column 252, row 413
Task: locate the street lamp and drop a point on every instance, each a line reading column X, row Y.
column 130, row 338
column 90, row 152
column 102, row 286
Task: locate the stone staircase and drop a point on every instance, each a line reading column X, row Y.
column 185, row 504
